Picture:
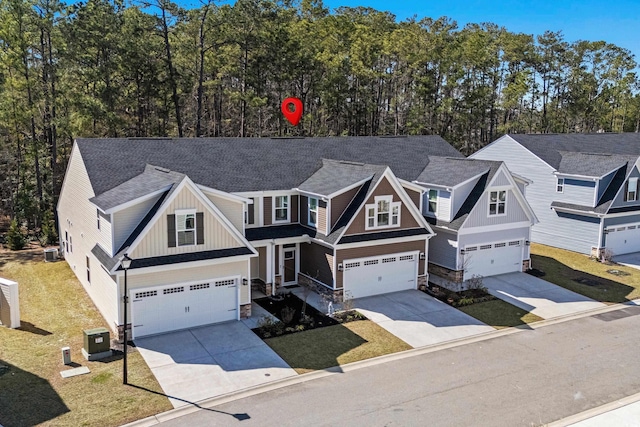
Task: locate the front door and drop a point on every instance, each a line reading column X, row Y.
column 289, row 264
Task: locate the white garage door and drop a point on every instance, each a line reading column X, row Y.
column 623, row 239
column 167, row 308
column 379, row 275
column 493, row 259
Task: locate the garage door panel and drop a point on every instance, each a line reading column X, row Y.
column 378, row 275
column 493, row 258
column 623, row 239
column 172, row 307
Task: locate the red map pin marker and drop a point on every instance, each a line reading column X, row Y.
column 295, row 115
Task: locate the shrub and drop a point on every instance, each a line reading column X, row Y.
column 16, row 238
column 464, row 301
column 475, row 282
column 287, row 315
column 269, row 326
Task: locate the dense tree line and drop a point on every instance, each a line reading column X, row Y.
column 106, row 68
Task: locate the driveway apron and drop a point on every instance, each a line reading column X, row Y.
column 630, row 260
column 418, row 319
column 200, row 363
column 538, row 296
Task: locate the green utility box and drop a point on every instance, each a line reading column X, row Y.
column 96, row 340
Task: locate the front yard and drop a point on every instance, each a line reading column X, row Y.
column 586, row 276
column 54, row 310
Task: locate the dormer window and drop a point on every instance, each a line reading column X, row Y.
column 281, row 209
column 560, row 185
column 497, row 203
column 313, row 212
column 433, row 201
column 384, row 213
column 631, row 190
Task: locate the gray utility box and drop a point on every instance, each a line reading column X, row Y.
column 97, row 344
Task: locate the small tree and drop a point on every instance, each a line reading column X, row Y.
column 16, row 239
column 308, row 287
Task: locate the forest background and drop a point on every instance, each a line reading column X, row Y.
column 106, row 68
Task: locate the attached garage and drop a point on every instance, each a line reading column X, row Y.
column 623, row 239
column 492, row 259
column 364, row 277
column 166, row 308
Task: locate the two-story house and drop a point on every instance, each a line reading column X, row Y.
column 481, row 218
column 584, row 188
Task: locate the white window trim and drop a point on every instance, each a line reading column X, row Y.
column 506, row 200
column 374, row 206
column 559, row 185
column 633, row 180
column 274, row 208
column 180, row 212
column 437, row 201
column 309, row 222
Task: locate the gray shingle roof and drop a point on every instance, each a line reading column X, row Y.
column 278, row 232
column 152, row 179
column 549, row 146
column 357, row 238
column 188, row 257
column 590, row 164
column 252, row 164
column 337, row 175
column 451, row 171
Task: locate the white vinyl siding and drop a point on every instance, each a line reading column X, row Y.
column 155, row 242
column 579, row 192
column 443, row 205
column 126, row 220
column 460, row 194
column 443, row 249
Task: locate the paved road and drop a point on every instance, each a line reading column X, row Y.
column 528, row 378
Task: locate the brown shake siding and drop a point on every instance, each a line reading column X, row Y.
column 322, row 217
column 340, row 203
column 414, row 195
column 378, row 250
column 294, row 208
column 316, row 261
column 384, row 188
column 267, row 201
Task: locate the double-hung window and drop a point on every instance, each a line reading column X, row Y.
column 497, row 202
column 281, row 209
column 560, row 185
column 186, row 228
column 384, row 213
column 631, row 194
column 433, row 201
column 313, row 212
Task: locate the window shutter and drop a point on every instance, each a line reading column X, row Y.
column 200, row 228
column 626, row 190
column 251, row 212
column 171, row 230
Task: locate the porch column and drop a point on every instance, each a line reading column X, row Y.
column 270, row 271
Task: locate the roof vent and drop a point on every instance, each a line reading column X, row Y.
column 159, row 169
column 346, row 162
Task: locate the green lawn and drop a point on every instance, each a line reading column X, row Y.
column 499, row 314
column 335, row 345
column 586, row 276
column 54, row 311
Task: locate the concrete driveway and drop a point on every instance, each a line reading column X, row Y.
column 538, row 296
column 418, row 319
column 630, row 260
column 200, row 363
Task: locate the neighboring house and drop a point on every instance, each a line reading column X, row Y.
column 584, row 188
column 480, row 216
column 203, row 218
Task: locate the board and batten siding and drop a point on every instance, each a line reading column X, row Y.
column 155, row 242
column 619, row 201
column 126, row 220
column 384, row 188
column 137, row 279
column 500, row 180
column 552, row 229
column 340, row 202
column 479, row 215
column 316, row 261
column 578, row 192
column 443, row 249
column 379, row 250
column 232, row 209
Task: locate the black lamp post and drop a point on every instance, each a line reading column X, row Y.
column 126, row 263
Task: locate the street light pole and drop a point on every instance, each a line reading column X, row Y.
column 126, row 263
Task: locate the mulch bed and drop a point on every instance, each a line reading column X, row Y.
column 535, row 272
column 288, row 310
column 618, row 272
column 458, row 299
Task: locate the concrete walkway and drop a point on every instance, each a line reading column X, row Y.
column 538, row 296
column 202, row 363
column 413, row 316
